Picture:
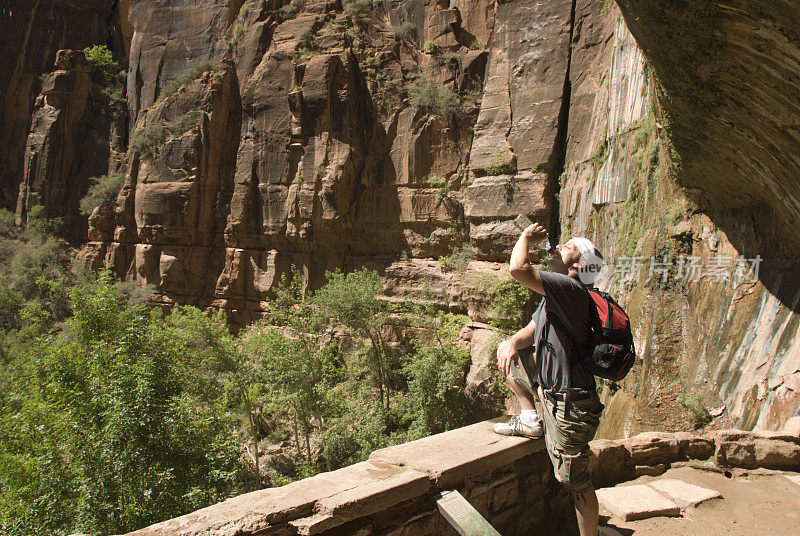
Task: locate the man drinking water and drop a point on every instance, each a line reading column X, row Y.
column 553, row 376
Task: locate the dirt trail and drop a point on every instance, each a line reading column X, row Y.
column 754, row 503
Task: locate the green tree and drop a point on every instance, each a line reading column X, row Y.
column 113, row 423
column 437, row 400
column 351, row 300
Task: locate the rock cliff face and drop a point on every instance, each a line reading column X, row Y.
column 32, row 33
column 688, row 182
column 345, row 134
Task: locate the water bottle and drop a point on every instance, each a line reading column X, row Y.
column 523, row 222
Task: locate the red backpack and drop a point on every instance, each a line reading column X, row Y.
column 611, row 352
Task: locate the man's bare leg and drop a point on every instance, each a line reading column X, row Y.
column 587, row 511
column 524, row 397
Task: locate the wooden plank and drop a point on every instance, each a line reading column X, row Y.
column 464, row 518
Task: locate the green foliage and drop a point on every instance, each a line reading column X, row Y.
column 109, row 75
column 290, row 10
column 430, row 47
column 192, row 73
column 115, row 417
column 698, row 413
column 600, row 154
column 501, row 163
column 633, row 215
column 238, row 30
column 477, row 44
column 606, row 5
column 150, row 138
column 305, row 46
column 442, row 186
column 351, row 300
column 437, row 400
column 387, row 99
column 244, row 10
column 437, row 98
column 293, row 379
column 509, row 304
column 102, row 190
column 405, row 31
column 353, row 32
column 459, row 259
column 353, row 8
column 115, row 425
column 509, row 301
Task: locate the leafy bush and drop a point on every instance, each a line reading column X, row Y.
column 118, row 429
column 305, row 46
column 501, row 163
column 290, row 10
column 405, row 31
column 698, row 414
column 437, row 400
column 509, row 301
column 103, row 189
column 149, row 139
column 108, row 74
column 351, row 300
column 477, row 44
column 353, row 8
column 435, row 97
column 600, row 154
column 192, row 73
column 430, row 47
column 238, row 30
column 441, row 185
column 459, row 259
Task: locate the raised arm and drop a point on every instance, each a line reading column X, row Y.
column 520, row 268
column 507, row 350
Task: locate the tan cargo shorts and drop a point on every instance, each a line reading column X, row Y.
column 566, row 437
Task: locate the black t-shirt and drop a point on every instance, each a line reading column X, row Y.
column 566, row 299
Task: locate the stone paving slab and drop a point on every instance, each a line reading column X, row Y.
column 683, row 493
column 794, row 478
column 636, row 502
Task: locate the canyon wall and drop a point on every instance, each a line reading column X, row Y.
column 403, row 135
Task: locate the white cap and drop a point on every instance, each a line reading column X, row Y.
column 590, row 263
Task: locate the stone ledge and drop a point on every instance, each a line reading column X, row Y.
column 391, row 476
column 452, row 456
column 652, row 452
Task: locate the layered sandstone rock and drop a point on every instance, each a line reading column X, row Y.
column 68, row 143
column 32, row 33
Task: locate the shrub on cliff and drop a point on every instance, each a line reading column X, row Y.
column 353, row 8
column 405, row 31
column 437, row 98
column 108, row 75
column 290, row 10
column 193, row 72
column 501, row 163
column 102, row 190
column 151, row 137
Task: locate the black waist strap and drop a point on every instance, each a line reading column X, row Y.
column 561, row 397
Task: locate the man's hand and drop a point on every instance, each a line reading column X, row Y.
column 506, row 355
column 535, row 232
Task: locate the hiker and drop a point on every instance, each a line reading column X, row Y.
column 561, row 329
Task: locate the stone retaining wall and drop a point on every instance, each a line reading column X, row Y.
column 507, row 479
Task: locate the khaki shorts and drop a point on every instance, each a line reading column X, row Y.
column 566, row 438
